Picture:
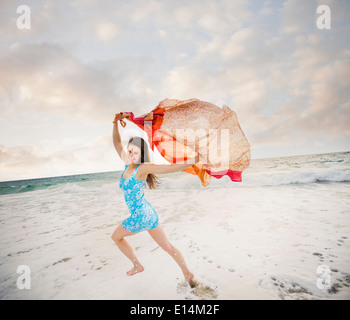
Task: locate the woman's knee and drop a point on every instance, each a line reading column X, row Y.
column 119, row 233
column 116, row 237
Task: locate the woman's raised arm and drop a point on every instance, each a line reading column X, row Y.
column 117, row 142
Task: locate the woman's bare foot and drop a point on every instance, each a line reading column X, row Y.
column 189, row 278
column 135, row 270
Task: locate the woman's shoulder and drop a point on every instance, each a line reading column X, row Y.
column 145, row 167
column 142, row 171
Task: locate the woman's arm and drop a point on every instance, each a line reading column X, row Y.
column 167, row 168
column 117, row 142
column 164, row 168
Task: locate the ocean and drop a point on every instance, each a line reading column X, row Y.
column 281, row 233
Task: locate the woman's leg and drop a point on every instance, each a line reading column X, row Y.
column 159, row 236
column 118, row 237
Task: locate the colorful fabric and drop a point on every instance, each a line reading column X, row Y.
column 143, row 216
column 221, row 144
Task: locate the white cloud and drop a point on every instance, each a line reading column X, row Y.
column 49, row 159
column 298, row 17
column 107, row 30
column 145, row 10
column 47, row 79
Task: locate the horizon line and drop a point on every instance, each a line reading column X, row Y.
column 86, row 173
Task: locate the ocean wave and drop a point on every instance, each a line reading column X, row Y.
column 297, row 177
column 306, row 169
column 257, row 179
column 186, row 181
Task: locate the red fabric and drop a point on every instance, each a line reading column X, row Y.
column 234, row 175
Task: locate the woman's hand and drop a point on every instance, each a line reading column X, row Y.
column 120, row 116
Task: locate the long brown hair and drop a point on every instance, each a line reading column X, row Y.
column 152, row 180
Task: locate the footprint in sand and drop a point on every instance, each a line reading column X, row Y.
column 198, row 289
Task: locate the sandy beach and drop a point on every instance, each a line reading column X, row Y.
column 258, row 239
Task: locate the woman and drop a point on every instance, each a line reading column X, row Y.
column 143, row 217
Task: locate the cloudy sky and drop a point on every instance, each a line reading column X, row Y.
column 82, row 61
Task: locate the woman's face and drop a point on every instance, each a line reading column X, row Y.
column 134, row 154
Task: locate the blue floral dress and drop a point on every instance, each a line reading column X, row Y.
column 143, row 216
